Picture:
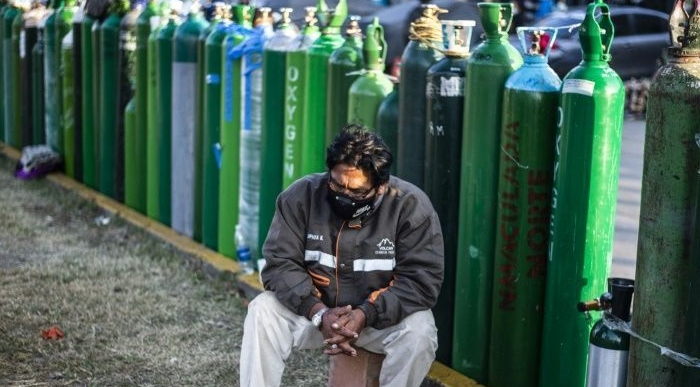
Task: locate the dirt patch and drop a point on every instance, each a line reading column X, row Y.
column 135, row 311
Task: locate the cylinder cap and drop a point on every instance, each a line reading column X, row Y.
column 597, row 32
column 496, row 18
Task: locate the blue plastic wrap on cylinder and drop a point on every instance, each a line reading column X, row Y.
column 250, row 53
column 185, row 136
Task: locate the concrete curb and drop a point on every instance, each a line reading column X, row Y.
column 248, row 285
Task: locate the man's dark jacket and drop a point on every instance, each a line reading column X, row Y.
column 389, row 265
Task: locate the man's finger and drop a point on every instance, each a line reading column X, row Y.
column 345, row 332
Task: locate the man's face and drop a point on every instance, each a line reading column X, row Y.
column 350, row 181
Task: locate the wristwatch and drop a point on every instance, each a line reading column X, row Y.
column 317, row 318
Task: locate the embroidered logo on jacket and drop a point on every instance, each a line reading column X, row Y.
column 314, row 237
column 384, row 247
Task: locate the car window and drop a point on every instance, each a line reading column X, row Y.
column 650, row 24
column 622, row 25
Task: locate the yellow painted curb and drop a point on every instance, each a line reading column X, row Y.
column 249, row 284
column 449, row 377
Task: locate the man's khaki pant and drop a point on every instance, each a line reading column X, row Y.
column 272, row 331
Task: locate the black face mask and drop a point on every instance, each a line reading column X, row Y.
column 348, row 208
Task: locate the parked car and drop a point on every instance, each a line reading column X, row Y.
column 638, row 46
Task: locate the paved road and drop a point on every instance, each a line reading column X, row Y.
column 629, row 192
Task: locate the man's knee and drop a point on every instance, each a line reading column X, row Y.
column 263, row 304
column 420, row 329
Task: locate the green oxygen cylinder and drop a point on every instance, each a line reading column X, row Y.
column 56, row 27
column 108, row 36
column 387, row 122
column 29, row 34
column 420, row 53
column 112, row 103
column 211, row 126
column 10, row 90
column 528, row 131
column 217, row 13
column 96, row 93
column 64, row 25
column 68, row 101
column 584, row 196
column 89, row 103
column 3, row 8
column 273, row 130
column 185, row 136
column 38, row 122
column 152, row 154
column 77, row 54
column 488, row 67
column 665, row 306
column 136, row 170
column 313, row 145
column 369, row 90
column 295, row 98
column 12, row 95
column 344, row 66
column 130, row 195
column 130, row 158
column 229, row 144
column 444, row 97
column 164, row 87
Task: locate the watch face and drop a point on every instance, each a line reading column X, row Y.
column 317, row 318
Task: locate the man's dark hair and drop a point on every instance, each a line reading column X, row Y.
column 356, row 145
